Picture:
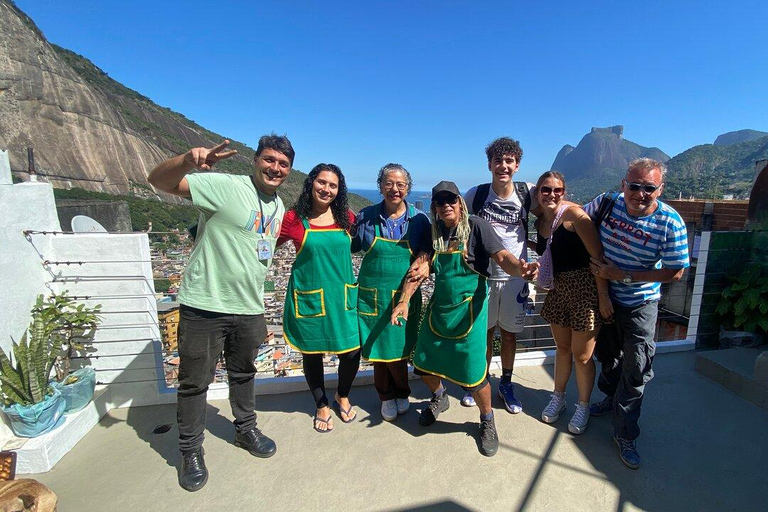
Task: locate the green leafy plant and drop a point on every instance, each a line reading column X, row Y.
column 744, row 302
column 26, row 383
column 70, row 326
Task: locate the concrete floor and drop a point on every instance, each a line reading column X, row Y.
column 703, row 448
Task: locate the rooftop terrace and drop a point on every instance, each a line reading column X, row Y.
column 703, row 448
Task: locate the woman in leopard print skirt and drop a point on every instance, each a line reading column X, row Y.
column 578, row 301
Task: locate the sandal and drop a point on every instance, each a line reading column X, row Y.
column 327, row 422
column 345, row 412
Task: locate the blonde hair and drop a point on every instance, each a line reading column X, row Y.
column 462, row 228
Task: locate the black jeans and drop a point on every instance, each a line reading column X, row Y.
column 313, row 372
column 391, row 379
column 203, row 335
column 627, row 366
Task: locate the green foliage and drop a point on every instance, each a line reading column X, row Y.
column 26, row 383
column 69, row 326
column 744, row 302
column 162, row 285
column 710, row 171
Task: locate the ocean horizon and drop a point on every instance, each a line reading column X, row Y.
column 375, row 196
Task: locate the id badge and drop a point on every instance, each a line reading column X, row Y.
column 264, row 248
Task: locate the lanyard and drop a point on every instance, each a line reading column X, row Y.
column 261, row 209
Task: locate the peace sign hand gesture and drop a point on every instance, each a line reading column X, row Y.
column 204, row 158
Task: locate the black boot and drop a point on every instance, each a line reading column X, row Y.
column 194, row 474
column 256, row 443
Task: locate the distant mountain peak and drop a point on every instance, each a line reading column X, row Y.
column 726, row 139
column 617, row 130
column 600, row 160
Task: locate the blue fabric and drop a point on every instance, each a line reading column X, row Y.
column 658, row 240
column 37, row 419
column 79, row 393
column 417, row 229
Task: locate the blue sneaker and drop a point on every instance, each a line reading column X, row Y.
column 628, row 452
column 507, row 394
column 601, row 408
column 468, row 400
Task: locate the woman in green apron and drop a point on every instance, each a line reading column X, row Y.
column 320, row 313
column 391, row 234
column 452, row 338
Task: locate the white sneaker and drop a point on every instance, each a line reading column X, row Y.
column 468, row 400
column 579, row 420
column 389, row 410
column 403, row 404
column 554, row 408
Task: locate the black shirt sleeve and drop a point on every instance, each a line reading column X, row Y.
column 483, row 241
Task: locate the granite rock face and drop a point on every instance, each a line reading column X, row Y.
column 600, row 160
column 87, row 130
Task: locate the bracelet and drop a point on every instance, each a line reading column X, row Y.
column 403, row 302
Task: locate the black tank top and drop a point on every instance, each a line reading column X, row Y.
column 568, row 251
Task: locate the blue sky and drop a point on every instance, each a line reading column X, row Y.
column 428, row 84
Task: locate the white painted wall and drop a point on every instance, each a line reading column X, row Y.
column 115, row 271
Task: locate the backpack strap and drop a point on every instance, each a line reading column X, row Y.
column 481, row 194
column 605, row 208
column 523, row 193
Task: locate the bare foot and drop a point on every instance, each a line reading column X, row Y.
column 323, row 420
column 346, row 411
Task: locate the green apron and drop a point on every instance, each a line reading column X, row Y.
column 381, row 276
column 320, row 313
column 452, row 339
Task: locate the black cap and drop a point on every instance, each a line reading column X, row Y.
column 445, row 186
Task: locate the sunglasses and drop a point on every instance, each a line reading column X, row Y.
column 444, row 200
column 648, row 189
column 558, row 191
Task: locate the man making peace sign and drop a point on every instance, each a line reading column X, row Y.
column 222, row 304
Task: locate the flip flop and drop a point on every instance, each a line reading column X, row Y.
column 347, row 412
column 321, row 420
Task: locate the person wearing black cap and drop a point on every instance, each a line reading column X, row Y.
column 452, row 338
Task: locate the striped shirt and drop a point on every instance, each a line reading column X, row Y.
column 641, row 243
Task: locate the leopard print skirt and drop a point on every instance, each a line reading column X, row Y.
column 573, row 301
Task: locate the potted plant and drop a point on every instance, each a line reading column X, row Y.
column 743, row 308
column 70, row 326
column 32, row 405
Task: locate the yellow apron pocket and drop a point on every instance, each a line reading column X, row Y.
column 350, row 296
column 367, row 301
column 452, row 321
column 309, row 304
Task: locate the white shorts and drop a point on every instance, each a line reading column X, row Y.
column 507, row 303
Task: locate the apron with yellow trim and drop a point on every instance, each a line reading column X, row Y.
column 320, row 313
column 380, row 280
column 452, row 339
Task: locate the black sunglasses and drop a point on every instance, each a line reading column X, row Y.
column 558, row 191
column 648, row 189
column 446, row 199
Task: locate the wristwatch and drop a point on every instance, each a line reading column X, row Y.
column 627, row 279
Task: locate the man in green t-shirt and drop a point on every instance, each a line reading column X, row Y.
column 222, row 294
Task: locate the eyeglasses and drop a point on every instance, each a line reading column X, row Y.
column 391, row 184
column 447, row 199
column 648, row 189
column 558, row 191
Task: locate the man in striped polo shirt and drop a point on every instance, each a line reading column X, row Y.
column 645, row 244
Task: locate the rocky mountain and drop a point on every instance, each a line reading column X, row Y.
column 714, row 171
column 87, row 130
column 729, row 138
column 599, row 161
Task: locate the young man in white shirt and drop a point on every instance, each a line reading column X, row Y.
column 505, row 204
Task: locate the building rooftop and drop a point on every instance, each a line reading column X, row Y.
column 703, row 448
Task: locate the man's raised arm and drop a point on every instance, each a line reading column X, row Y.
column 170, row 176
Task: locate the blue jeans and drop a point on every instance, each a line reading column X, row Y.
column 625, row 372
column 203, row 335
